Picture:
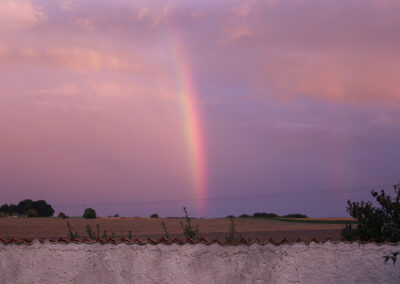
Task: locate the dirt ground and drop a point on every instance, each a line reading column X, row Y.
column 32, row 228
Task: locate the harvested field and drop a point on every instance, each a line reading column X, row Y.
column 249, row 228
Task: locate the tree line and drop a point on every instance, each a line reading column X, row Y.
column 28, row 207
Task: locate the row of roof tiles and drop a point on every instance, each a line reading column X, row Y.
column 178, row 241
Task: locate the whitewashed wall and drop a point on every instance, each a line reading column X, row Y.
column 295, row 263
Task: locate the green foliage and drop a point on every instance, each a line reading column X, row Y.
column 89, row 213
column 31, row 213
column 295, row 215
column 190, row 231
column 166, row 233
column 91, row 234
column 71, row 233
column 348, row 233
column 230, row 216
column 155, row 215
column 232, row 232
column 380, row 223
column 2, row 214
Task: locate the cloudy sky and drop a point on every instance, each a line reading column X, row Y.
column 227, row 107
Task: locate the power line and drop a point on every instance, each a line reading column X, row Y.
column 233, row 197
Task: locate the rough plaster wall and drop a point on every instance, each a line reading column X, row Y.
column 97, row 263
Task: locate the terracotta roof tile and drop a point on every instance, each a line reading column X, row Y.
column 165, row 241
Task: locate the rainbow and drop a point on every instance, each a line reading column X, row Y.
column 192, row 123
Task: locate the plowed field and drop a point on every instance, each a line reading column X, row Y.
column 31, row 228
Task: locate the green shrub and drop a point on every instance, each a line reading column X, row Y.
column 380, row 223
column 189, row 230
column 232, row 232
column 91, row 234
column 155, row 215
column 71, row 233
column 89, row 213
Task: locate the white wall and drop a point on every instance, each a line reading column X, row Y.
column 122, row 263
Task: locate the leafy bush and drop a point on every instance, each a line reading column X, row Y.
column 62, row 215
column 31, row 213
column 189, row 231
column 155, row 215
column 296, row 215
column 89, row 213
column 380, row 223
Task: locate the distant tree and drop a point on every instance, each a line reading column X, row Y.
column 265, row 215
column 116, row 215
column 23, row 206
column 230, row 216
column 12, row 208
column 43, row 208
column 4, row 208
column 155, row 215
column 62, row 215
column 31, row 213
column 296, row 215
column 244, row 216
column 89, row 213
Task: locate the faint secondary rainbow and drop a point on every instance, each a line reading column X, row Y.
column 192, row 122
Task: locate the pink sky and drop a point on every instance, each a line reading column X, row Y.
column 292, row 96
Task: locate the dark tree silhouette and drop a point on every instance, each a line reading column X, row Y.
column 89, row 213
column 380, row 223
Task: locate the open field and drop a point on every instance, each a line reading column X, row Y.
column 250, row 228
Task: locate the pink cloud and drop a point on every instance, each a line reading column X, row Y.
column 19, row 14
